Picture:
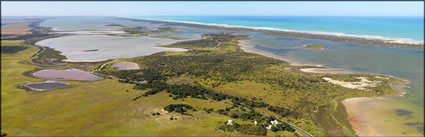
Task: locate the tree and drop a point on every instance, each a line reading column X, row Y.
column 274, row 129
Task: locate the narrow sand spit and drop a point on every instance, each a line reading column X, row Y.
column 360, row 85
column 249, row 47
column 126, row 65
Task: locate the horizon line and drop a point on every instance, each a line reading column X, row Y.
column 210, row 15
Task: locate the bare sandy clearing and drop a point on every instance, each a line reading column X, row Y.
column 126, row 66
column 361, row 85
column 326, row 71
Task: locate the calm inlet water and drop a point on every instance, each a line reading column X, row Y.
column 403, row 63
column 42, row 86
column 90, row 23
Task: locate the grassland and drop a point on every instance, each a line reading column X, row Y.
column 92, row 108
column 108, row 107
column 313, row 102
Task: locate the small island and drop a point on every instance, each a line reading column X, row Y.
column 90, row 50
column 315, row 47
column 143, row 31
column 114, row 25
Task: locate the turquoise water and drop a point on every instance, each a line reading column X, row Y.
column 411, row 28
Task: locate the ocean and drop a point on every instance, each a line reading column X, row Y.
column 394, row 28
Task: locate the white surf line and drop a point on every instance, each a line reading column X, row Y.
column 337, row 34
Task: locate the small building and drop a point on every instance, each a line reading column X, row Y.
column 274, row 122
column 230, row 122
column 269, row 127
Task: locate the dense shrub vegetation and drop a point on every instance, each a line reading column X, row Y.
column 179, row 108
column 279, row 110
column 12, row 49
column 141, row 31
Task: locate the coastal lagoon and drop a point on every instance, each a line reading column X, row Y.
column 67, row 74
column 96, row 23
column 91, row 48
column 42, row 86
column 407, row 64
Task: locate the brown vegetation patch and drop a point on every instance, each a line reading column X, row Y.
column 180, row 80
column 19, row 28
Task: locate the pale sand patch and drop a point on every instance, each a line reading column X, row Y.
column 126, row 65
column 360, row 85
column 326, row 71
column 381, row 77
column 360, row 125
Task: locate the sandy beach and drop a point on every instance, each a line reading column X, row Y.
column 326, row 71
column 354, row 109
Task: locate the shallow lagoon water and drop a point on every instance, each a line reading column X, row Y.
column 183, row 35
column 108, row 47
column 67, row 74
column 90, row 23
column 91, row 32
column 42, row 86
column 403, row 63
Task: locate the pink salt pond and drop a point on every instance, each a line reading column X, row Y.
column 67, row 74
column 125, row 66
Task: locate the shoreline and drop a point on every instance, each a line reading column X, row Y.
column 357, row 120
column 246, row 46
column 358, row 123
column 337, row 37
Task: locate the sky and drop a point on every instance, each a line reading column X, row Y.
column 210, row 8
